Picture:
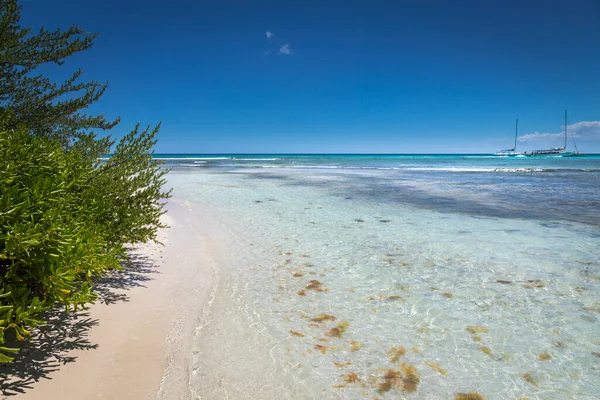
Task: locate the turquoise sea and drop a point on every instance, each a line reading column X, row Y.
column 400, row 276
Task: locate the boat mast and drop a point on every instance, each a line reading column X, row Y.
column 565, row 146
column 516, row 130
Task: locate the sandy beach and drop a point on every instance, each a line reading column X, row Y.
column 163, row 328
column 132, row 343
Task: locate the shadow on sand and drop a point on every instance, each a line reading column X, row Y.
column 51, row 343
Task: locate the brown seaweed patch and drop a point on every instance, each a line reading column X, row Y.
column 486, row 350
column 340, row 386
column 475, row 329
column 468, row 396
column 436, row 367
column 503, row 281
column 528, row 378
column 298, row 274
column 315, row 285
column 410, row 378
column 596, row 354
column 355, row 345
column 406, row 379
column 393, row 297
column 534, row 284
column 294, row 333
column 476, row 338
column 415, row 350
column 323, row 317
column 334, row 332
column 352, row 377
column 338, row 330
column 544, row 356
column 448, row 295
column 301, row 293
column 395, row 353
column 342, row 365
column 389, row 380
column 321, row 348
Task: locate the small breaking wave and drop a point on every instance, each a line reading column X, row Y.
column 190, row 158
column 435, row 169
column 255, row 159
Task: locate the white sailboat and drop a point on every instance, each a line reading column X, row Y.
column 576, row 153
column 555, row 151
column 511, row 152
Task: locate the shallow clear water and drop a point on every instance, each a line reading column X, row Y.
column 458, row 275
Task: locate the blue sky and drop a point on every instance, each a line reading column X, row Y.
column 352, row 77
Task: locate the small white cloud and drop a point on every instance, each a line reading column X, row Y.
column 583, row 129
column 285, row 49
column 268, row 34
column 586, row 129
column 539, row 136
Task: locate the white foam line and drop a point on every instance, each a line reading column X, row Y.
column 191, row 158
column 255, row 159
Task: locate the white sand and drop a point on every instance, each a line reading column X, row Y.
column 143, row 342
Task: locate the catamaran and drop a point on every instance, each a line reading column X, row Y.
column 511, row 152
column 556, row 151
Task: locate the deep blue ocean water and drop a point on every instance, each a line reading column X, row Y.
column 553, row 188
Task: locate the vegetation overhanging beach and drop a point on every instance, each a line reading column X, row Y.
column 67, row 219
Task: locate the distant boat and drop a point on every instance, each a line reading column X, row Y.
column 576, row 153
column 557, row 151
column 511, row 152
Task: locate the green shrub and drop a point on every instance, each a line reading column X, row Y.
column 65, row 218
